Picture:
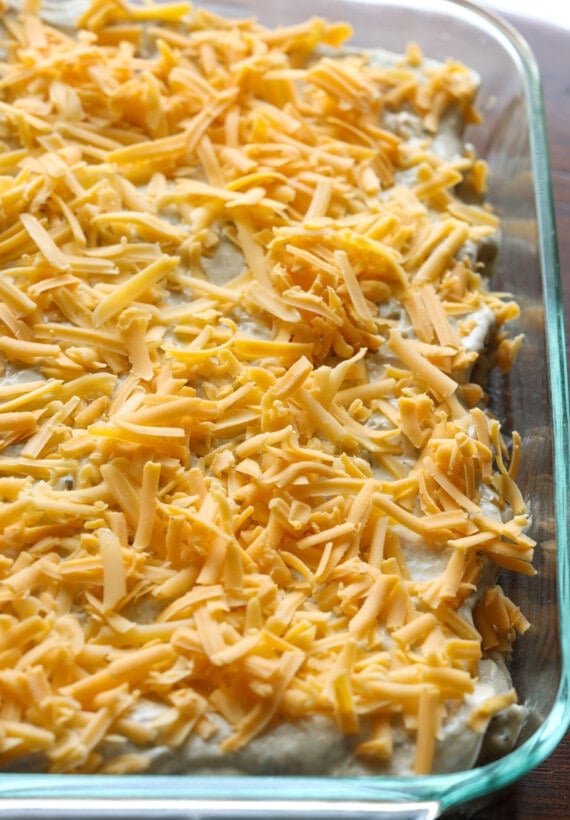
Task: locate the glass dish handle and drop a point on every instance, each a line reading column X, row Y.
column 128, row 809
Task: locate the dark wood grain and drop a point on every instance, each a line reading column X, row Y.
column 545, row 792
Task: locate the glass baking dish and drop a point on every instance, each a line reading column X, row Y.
column 531, row 399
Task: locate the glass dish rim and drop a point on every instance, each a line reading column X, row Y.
column 447, row 790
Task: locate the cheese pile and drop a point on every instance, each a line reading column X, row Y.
column 236, row 390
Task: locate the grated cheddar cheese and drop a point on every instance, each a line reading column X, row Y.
column 247, row 484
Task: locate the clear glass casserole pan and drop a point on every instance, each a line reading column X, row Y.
column 532, row 399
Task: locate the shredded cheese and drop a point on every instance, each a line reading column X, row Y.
column 236, row 390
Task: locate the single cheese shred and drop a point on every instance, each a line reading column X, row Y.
column 247, row 477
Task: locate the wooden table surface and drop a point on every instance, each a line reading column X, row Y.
column 545, row 792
